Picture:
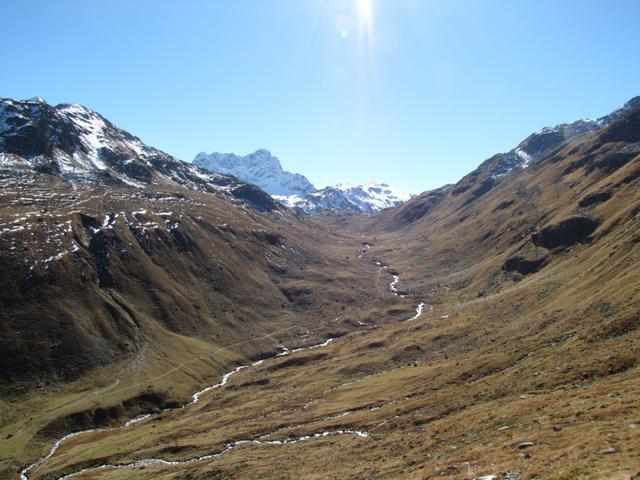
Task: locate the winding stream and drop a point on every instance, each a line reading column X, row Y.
column 392, row 285
column 196, row 397
column 230, row 446
column 419, row 309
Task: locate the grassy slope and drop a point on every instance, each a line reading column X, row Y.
column 153, row 312
column 501, row 358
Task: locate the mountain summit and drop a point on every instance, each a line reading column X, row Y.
column 366, row 198
column 260, row 168
column 81, row 146
column 543, row 141
column 294, row 190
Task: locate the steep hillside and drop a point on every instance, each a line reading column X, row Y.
column 533, row 280
column 120, row 301
column 79, row 144
column 123, row 295
column 572, row 193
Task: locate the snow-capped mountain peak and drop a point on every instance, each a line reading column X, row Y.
column 260, row 168
column 295, row 191
column 378, row 195
column 80, row 145
column 365, row 198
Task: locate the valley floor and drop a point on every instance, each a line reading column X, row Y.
column 436, row 387
column 204, row 340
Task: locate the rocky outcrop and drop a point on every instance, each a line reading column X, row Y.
column 595, row 198
column 568, row 232
column 524, row 265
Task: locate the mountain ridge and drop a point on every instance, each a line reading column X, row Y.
column 260, row 168
column 542, row 141
column 295, row 190
column 368, row 198
column 80, row 145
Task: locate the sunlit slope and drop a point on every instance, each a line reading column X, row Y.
column 523, row 363
column 122, row 301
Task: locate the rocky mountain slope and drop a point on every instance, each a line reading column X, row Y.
column 534, row 147
column 80, row 145
column 130, row 278
column 532, row 279
column 295, row 191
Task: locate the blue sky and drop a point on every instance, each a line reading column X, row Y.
column 412, row 92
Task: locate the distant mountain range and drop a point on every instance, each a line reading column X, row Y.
column 296, row 191
column 366, row 198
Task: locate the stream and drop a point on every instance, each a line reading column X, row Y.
column 196, row 397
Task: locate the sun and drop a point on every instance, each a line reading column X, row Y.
column 364, row 14
column 365, row 9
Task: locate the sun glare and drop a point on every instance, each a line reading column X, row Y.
column 365, row 9
column 364, row 21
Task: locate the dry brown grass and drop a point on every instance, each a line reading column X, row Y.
column 534, row 375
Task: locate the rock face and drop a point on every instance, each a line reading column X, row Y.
column 595, row 198
column 565, row 233
column 76, row 143
column 425, row 203
column 260, row 168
